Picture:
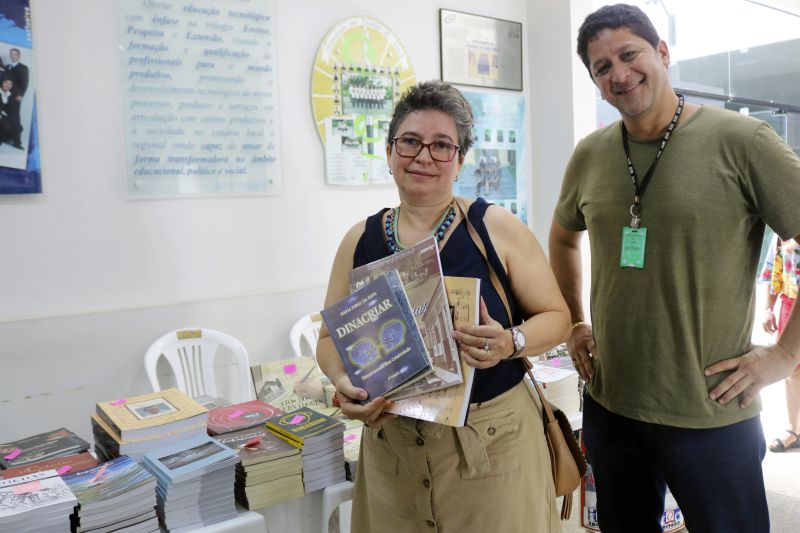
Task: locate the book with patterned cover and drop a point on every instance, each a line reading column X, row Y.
column 377, row 337
column 27, row 501
column 151, row 414
column 240, row 416
column 48, row 445
column 63, row 465
column 256, row 445
column 420, row 270
column 449, row 406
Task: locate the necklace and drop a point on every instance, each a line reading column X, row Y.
column 391, row 227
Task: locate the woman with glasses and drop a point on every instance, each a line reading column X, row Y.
column 494, row 473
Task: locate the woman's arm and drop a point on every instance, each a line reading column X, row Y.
column 534, row 288
column 371, row 413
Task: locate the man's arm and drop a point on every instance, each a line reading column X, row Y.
column 565, row 260
column 761, row 366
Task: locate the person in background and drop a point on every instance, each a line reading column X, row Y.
column 782, row 274
column 9, row 108
column 19, row 75
column 675, row 198
column 419, row 476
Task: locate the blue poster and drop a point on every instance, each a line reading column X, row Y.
column 494, row 166
column 20, row 170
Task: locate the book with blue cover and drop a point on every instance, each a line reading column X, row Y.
column 377, row 337
column 189, row 459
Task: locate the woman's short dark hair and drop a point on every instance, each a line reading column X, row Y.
column 613, row 17
column 442, row 97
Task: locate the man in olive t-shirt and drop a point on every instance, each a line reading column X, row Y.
column 675, row 198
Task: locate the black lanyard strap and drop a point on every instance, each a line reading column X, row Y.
column 639, row 187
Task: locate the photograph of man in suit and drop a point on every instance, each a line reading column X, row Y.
column 19, row 76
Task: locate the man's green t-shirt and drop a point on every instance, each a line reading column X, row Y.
column 721, row 177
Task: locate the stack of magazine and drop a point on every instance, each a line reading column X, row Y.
column 559, row 382
column 270, row 471
column 115, row 495
column 378, row 344
column 195, row 483
column 137, row 425
column 352, row 445
column 320, row 439
column 55, row 444
column 240, row 416
column 35, row 503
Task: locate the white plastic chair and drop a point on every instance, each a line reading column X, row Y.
column 190, row 353
column 305, row 330
column 332, row 497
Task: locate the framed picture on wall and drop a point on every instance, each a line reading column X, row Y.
column 482, row 51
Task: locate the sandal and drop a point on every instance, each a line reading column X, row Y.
column 778, row 446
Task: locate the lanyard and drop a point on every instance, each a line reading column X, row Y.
column 640, row 186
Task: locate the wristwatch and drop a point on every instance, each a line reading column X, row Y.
column 519, row 341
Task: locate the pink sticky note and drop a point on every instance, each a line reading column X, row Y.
column 237, row 413
column 252, row 443
column 119, row 402
column 350, row 437
column 13, row 455
column 556, row 361
column 99, row 473
column 27, row 487
column 290, row 369
column 63, row 470
column 296, row 419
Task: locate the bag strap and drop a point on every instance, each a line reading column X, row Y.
column 498, row 287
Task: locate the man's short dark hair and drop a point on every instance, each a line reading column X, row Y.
column 611, row 18
column 15, row 50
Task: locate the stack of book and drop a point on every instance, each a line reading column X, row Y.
column 320, row 439
column 35, row 503
column 54, row 444
column 560, row 383
column 240, row 416
column 352, row 444
column 270, row 469
column 135, row 426
column 195, row 483
column 115, row 495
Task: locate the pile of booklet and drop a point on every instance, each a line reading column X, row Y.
column 195, row 483
column 51, row 445
column 560, row 383
column 352, row 444
column 137, row 425
column 320, row 439
column 115, row 495
column 35, row 503
column 270, row 471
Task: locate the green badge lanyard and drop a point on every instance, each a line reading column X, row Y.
column 634, row 236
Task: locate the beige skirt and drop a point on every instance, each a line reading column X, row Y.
column 493, row 475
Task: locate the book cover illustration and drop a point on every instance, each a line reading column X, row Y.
column 303, row 424
column 255, row 445
column 144, row 415
column 376, row 336
column 62, row 465
column 240, row 416
column 189, row 459
column 43, row 491
column 421, row 272
column 449, row 406
column 109, row 480
column 290, row 384
column 39, row 447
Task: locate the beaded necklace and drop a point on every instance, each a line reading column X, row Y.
column 391, row 227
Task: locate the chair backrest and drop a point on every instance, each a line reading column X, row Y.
column 190, row 353
column 305, row 330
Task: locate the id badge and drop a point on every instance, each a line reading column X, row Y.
column 633, row 244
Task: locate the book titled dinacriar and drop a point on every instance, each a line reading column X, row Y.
column 151, row 414
column 420, row 270
column 377, row 337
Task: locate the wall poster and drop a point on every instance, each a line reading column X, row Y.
column 20, row 170
column 480, row 51
column 200, row 97
column 494, row 167
column 360, row 71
